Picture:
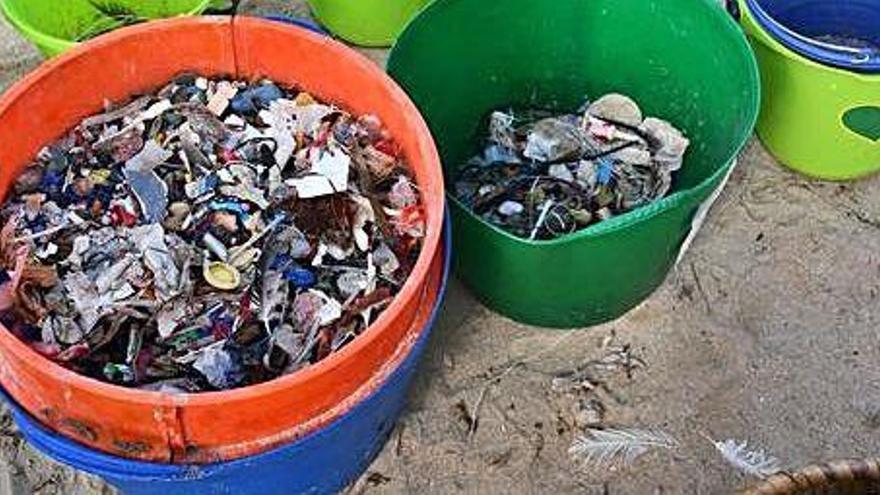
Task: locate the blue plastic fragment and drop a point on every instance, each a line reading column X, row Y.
column 499, row 154
column 231, row 206
column 151, row 193
column 280, row 262
column 52, row 181
column 605, row 172
column 250, row 101
column 102, row 193
column 300, row 277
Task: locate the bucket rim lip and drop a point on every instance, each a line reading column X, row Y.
column 757, row 33
column 819, row 53
column 644, row 213
column 357, row 40
column 155, row 469
column 319, row 9
column 426, row 149
column 58, row 44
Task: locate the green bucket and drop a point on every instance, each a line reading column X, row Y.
column 55, row 25
column 683, row 60
column 366, row 22
column 815, row 119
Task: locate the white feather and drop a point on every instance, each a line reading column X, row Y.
column 603, row 447
column 753, row 462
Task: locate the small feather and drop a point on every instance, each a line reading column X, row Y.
column 603, row 447
column 753, row 462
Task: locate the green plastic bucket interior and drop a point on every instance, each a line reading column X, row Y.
column 682, row 60
column 818, row 120
column 375, row 23
column 55, row 25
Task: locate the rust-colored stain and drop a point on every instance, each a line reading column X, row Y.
column 81, row 429
column 131, row 448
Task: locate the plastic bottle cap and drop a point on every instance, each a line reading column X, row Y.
column 222, row 275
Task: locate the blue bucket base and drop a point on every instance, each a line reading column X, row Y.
column 325, row 461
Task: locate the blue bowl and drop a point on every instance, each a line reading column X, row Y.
column 324, row 461
column 800, row 26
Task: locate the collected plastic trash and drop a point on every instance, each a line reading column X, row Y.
column 543, row 175
column 214, row 235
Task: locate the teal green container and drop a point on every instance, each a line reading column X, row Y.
column 683, row 60
column 374, row 23
column 54, row 26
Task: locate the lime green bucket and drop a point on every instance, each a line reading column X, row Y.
column 366, row 22
column 818, row 120
column 55, row 25
column 683, row 60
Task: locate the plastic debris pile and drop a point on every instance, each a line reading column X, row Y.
column 543, row 175
column 214, row 235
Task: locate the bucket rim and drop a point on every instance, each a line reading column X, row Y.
column 319, row 10
column 56, row 43
column 757, row 33
column 825, row 54
column 431, row 243
column 643, row 213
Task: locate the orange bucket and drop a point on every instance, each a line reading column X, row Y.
column 219, row 426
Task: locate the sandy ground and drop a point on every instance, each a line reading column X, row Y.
column 766, row 332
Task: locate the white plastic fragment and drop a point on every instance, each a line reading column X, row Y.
column 215, row 246
column 280, row 128
column 309, row 117
column 88, row 302
column 553, row 139
column 329, row 176
column 156, row 110
column 216, row 364
column 334, row 165
column 510, row 208
column 150, row 240
column 330, row 311
column 311, row 186
column 235, row 122
column 219, row 101
column 50, row 249
column 560, row 171
column 170, row 316
column 385, row 259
